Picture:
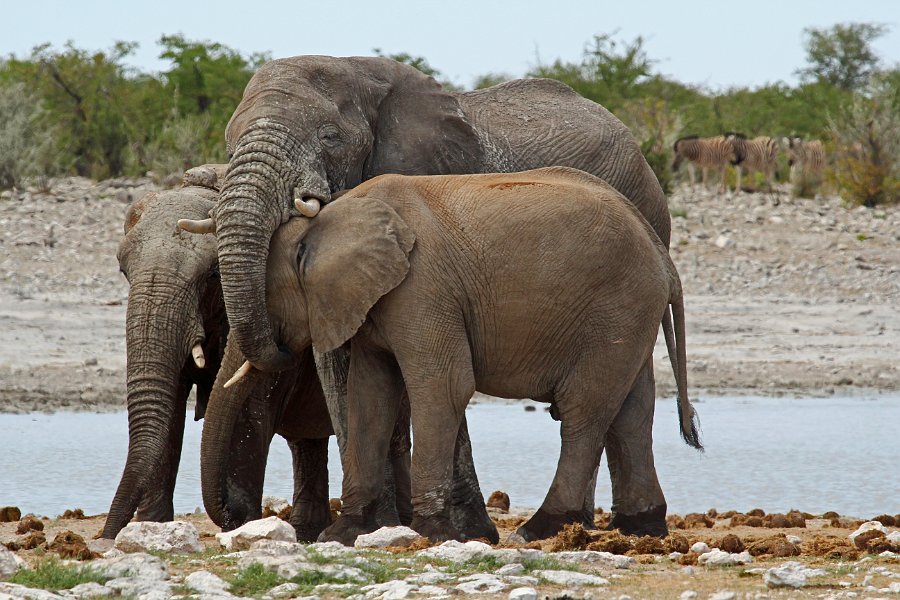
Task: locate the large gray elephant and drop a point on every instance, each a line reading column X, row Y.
column 309, row 126
column 426, row 276
column 176, row 339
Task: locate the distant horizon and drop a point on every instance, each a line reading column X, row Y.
column 472, row 38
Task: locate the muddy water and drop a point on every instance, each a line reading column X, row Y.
column 776, row 453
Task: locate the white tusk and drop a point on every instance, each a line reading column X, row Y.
column 307, row 208
column 202, row 226
column 199, row 359
column 239, row 374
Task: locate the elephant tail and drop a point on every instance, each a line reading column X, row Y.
column 675, row 344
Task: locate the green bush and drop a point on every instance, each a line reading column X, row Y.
column 26, row 143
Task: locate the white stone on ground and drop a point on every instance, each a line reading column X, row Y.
column 868, row 526
column 723, row 595
column 142, row 588
column 387, row 536
column 605, row 559
column 14, row 590
column 720, row 558
column 894, row 537
column 791, row 574
column 523, row 593
column 285, row 590
column 389, row 590
column 274, row 503
column 142, row 536
column 570, row 578
column 794, row 539
column 207, row 583
column 481, row 583
column 454, row 551
column 700, row 548
column 429, row 578
column 688, row 595
column 9, row 562
column 91, row 589
column 510, row 569
column 271, row 528
column 144, row 566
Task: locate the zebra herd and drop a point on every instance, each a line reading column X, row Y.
column 806, row 158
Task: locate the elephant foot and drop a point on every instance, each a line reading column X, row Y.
column 649, row 522
column 473, row 522
column 437, row 528
column 347, row 528
column 309, row 522
column 543, row 525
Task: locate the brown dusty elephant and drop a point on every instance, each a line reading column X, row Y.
column 176, row 331
column 546, row 284
column 309, row 126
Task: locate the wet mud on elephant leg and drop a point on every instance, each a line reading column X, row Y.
column 639, row 506
column 310, row 513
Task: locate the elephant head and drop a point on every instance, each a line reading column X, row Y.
column 175, row 336
column 306, row 128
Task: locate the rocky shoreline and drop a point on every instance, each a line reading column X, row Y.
column 783, row 296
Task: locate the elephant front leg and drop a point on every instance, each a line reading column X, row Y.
column 310, row 513
column 468, row 514
column 374, row 387
column 639, row 506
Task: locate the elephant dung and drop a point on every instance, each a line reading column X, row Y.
column 177, row 536
column 69, row 544
column 270, row 528
column 499, row 500
column 10, row 514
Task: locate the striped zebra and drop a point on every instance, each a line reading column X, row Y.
column 758, row 154
column 806, row 157
column 708, row 153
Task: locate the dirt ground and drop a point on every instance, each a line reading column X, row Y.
column 783, row 296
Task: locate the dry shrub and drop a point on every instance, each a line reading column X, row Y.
column 776, row 546
column 613, row 542
column 730, row 543
column 571, row 537
column 866, row 167
column 69, row 544
column 655, row 126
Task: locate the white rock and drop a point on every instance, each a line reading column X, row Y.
column 141, row 588
column 207, row 583
column 723, row 241
column 389, row 590
column 285, row 590
column 688, row 595
column 688, row 570
column 271, row 528
column 16, row 591
column 790, row 574
column 331, row 549
column 276, row 548
column 90, row 589
column 521, row 580
column 144, row 566
column 430, row 578
column 481, row 583
column 720, row 558
column 9, row 562
column 595, row 558
column 387, row 536
column 794, row 539
column 675, row 555
column 176, row 536
column 570, row 578
column 523, row 593
column 456, row 551
column 274, row 503
column 700, row 548
column 868, row 526
column 723, row 595
column 510, row 569
column 894, row 537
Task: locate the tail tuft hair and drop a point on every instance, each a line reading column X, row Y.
column 690, row 434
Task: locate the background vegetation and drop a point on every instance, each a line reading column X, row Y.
column 70, row 110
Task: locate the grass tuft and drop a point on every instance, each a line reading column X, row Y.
column 253, row 581
column 52, row 575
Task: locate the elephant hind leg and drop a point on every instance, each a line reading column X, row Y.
column 585, row 421
column 639, row 506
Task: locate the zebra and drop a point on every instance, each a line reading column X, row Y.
column 758, row 154
column 709, row 153
column 805, row 157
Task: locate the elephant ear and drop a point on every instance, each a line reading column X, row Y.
column 356, row 251
column 421, row 129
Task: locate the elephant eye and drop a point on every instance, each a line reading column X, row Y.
column 330, row 135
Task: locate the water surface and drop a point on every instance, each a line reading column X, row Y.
column 776, row 453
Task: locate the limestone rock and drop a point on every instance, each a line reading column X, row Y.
column 456, row 551
column 720, row 558
column 205, row 582
column 90, row 589
column 510, row 569
column 723, row 595
column 791, row 574
column 141, row 588
column 387, row 536
column 700, row 548
column 176, row 536
column 285, row 590
column 523, row 593
column 16, row 591
column 571, row 578
column 481, row 583
column 389, row 590
column 144, row 566
column 271, row 528
column 595, row 557
column 9, row 562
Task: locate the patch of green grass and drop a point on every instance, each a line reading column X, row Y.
column 52, row 575
column 678, row 213
column 253, row 581
column 476, row 564
column 316, row 557
column 548, row 563
column 307, row 580
column 862, row 237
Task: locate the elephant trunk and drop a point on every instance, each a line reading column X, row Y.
column 156, row 397
column 237, row 432
column 255, row 200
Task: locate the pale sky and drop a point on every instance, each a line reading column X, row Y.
column 712, row 43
